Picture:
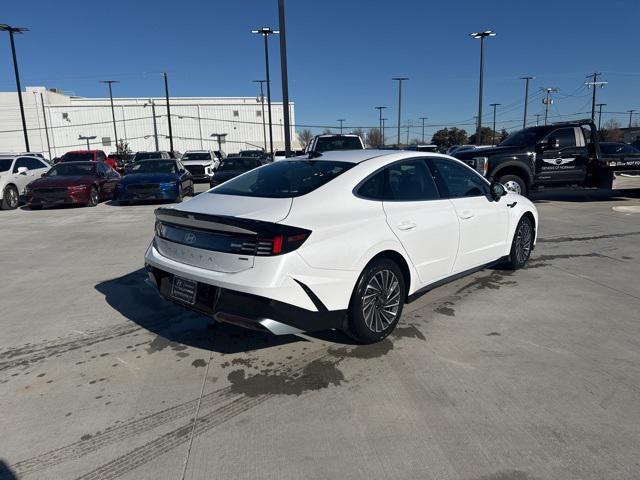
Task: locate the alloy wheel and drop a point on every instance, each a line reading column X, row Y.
column 381, row 301
column 524, row 236
column 12, row 198
column 94, row 197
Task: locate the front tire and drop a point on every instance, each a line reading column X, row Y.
column 10, row 198
column 514, row 184
column 522, row 244
column 377, row 301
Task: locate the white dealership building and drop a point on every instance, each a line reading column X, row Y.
column 64, row 118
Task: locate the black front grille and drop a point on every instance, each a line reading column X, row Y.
column 143, row 189
column 195, row 169
column 51, row 191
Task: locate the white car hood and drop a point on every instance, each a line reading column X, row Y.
column 255, row 208
column 197, row 162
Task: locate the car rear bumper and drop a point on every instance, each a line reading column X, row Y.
column 276, row 290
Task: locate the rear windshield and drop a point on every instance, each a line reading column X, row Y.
column 77, row 157
column 146, row 155
column 5, row 164
column 155, row 166
column 325, row 144
column 196, row 156
column 284, row 179
column 71, row 169
column 231, row 164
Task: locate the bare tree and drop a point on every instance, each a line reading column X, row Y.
column 327, row 131
column 305, row 136
column 374, row 138
column 359, row 132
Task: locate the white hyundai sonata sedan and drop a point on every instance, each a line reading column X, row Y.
column 339, row 241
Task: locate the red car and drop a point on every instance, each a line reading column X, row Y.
column 73, row 183
column 89, row 156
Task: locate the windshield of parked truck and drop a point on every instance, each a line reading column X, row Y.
column 528, row 136
column 284, row 179
column 196, row 156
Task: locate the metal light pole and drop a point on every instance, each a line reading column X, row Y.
column 155, row 125
column 113, row 113
column 285, row 79
column 166, row 95
column 399, row 80
column 493, row 134
column 7, row 28
column 264, row 124
column 600, row 105
column 46, row 127
column 265, row 32
column 219, row 136
column 630, row 112
column 423, row 119
column 481, row 36
column 526, row 99
column 341, row 120
column 409, row 125
column 383, row 120
column 82, row 137
column 380, row 108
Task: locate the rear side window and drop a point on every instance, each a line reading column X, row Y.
column 284, row 179
column 410, row 181
column 456, row 180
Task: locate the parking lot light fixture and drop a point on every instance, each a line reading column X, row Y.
column 493, row 131
column 481, row 36
column 341, row 120
column 423, row 119
column 166, row 94
column 220, row 137
column 526, row 98
column 12, row 30
column 265, row 32
column 87, row 138
column 380, row 108
column 399, row 80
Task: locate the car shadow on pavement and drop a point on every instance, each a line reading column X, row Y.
column 575, row 195
column 177, row 326
column 5, row 472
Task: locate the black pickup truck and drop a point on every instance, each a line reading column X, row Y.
column 558, row 155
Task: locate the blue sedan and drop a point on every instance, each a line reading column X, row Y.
column 154, row 180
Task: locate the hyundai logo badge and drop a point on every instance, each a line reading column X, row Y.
column 190, row 238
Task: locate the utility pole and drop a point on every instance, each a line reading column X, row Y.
column 409, row 125
column 166, row 94
column 285, row 79
column 155, row 125
column 265, row 32
column 399, row 80
column 526, row 99
column 341, row 120
column 12, row 30
column 493, row 134
column 547, row 100
column 593, row 84
column 380, row 108
column 46, row 128
column 481, row 36
column 423, row 119
column 600, row 105
column 113, row 113
column 630, row 112
column 220, row 137
column 537, row 119
column 264, row 125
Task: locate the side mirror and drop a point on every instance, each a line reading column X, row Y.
column 22, row 170
column 497, row 190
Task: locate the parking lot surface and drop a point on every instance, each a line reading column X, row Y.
column 502, row 375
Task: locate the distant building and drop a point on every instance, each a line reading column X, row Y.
column 193, row 120
column 631, row 135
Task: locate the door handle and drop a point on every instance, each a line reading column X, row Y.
column 406, row 225
column 466, row 214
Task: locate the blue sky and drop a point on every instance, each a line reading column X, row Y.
column 342, row 54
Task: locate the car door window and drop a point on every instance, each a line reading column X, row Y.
column 34, row 164
column 566, row 137
column 21, row 162
column 410, row 181
column 456, row 180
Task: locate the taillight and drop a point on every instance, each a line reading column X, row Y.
column 279, row 244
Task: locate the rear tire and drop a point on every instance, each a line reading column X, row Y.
column 10, row 198
column 522, row 244
column 515, row 184
column 377, row 301
column 94, row 197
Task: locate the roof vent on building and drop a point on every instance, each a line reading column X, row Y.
column 56, row 90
